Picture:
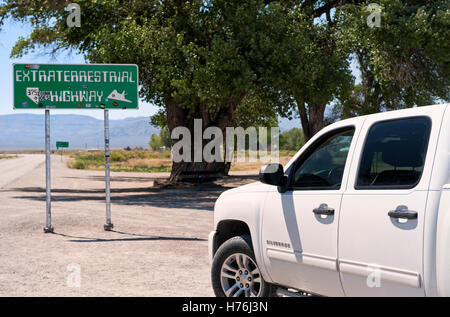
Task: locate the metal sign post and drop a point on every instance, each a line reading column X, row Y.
column 61, row 145
column 48, row 226
column 75, row 86
column 108, row 226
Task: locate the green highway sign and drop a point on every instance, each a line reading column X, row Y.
column 61, row 144
column 70, row 86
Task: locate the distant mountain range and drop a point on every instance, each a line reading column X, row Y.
column 26, row 132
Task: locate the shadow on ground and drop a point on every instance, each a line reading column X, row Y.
column 162, row 198
column 101, row 178
column 139, row 237
column 178, row 198
column 118, row 178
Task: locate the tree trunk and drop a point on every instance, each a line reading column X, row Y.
column 218, row 169
column 177, row 116
column 312, row 119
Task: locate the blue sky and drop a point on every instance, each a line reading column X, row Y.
column 9, row 34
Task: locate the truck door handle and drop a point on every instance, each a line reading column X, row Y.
column 403, row 212
column 323, row 210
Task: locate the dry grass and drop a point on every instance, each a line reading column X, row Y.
column 5, row 157
column 150, row 161
column 123, row 161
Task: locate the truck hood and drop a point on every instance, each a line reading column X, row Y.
column 242, row 203
column 255, row 187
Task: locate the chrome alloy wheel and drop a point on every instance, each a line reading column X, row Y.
column 240, row 276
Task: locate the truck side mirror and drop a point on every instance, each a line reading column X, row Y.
column 272, row 174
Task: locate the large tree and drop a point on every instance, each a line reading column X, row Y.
column 233, row 62
column 404, row 62
column 206, row 60
column 321, row 72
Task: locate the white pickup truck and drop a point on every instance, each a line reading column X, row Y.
column 363, row 209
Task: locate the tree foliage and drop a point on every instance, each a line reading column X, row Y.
column 165, row 137
column 292, row 140
column 233, row 62
column 155, row 142
column 404, row 62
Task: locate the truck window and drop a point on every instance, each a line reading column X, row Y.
column 322, row 166
column 394, row 154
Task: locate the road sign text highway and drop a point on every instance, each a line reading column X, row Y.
column 67, row 86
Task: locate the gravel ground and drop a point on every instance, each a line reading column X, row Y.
column 158, row 246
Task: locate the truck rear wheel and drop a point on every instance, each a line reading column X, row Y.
column 234, row 271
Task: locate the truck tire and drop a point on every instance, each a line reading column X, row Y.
column 234, row 272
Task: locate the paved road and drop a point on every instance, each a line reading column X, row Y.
column 11, row 169
column 158, row 248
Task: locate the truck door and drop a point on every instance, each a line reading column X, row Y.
column 300, row 226
column 381, row 224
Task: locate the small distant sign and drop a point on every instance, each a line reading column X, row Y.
column 69, row 86
column 62, row 144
